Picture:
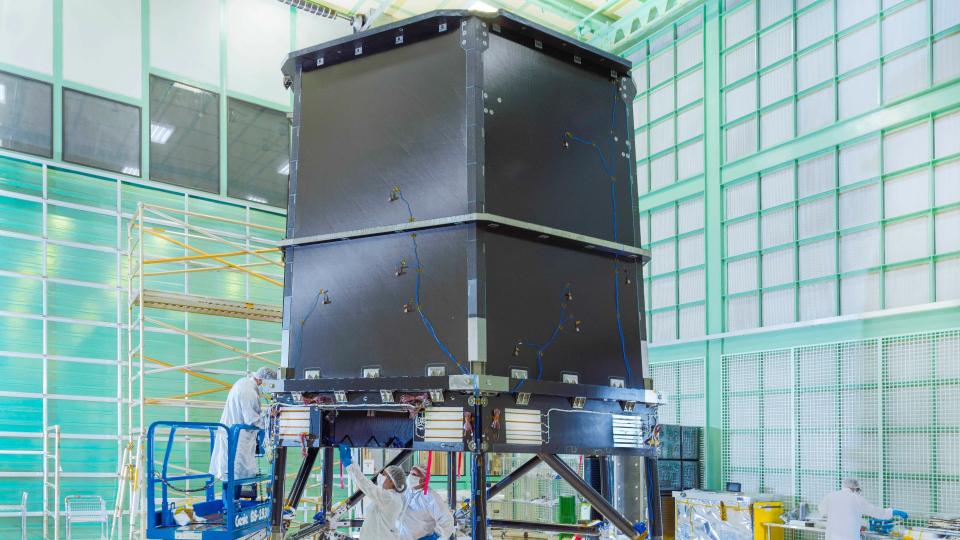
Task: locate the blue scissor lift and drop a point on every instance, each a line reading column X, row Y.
column 235, row 514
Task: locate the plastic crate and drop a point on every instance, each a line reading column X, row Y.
column 669, row 474
column 670, row 442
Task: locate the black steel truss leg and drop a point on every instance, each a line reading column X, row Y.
column 653, row 495
column 478, row 497
column 326, row 494
column 589, row 531
column 595, row 499
column 303, row 475
column 276, row 504
column 606, row 477
column 512, row 477
column 452, row 480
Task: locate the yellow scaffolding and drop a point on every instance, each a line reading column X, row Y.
column 202, row 243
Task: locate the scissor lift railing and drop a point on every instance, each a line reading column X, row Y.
column 202, row 243
column 236, row 516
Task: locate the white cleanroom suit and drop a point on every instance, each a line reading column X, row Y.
column 242, row 407
column 381, row 515
column 424, row 514
column 844, row 511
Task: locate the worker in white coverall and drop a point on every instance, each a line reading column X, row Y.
column 845, row 509
column 384, row 499
column 242, row 407
column 425, row 515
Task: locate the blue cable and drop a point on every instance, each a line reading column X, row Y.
column 539, row 349
column 613, row 204
column 303, row 322
column 623, row 342
column 423, row 316
column 606, row 169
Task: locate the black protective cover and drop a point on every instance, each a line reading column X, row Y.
column 535, row 171
column 464, row 114
column 365, row 324
column 527, row 287
column 552, row 137
column 527, row 291
column 392, row 119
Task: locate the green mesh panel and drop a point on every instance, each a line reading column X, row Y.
column 82, row 189
column 21, row 177
column 21, row 295
column 77, row 263
column 18, row 215
column 82, row 340
column 80, row 302
column 81, row 226
column 21, row 335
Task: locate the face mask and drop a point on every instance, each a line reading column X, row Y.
column 413, row 481
column 380, row 480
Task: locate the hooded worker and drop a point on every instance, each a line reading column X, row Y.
column 845, row 509
column 385, row 498
column 425, row 515
column 242, row 407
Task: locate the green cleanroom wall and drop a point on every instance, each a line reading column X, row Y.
column 800, row 178
column 799, row 174
column 66, row 202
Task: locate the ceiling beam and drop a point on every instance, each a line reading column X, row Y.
column 570, row 9
column 650, row 14
column 600, row 10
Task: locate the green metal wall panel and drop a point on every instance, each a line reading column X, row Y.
column 62, row 282
column 757, row 45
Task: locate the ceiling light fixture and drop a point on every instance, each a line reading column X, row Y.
column 160, row 133
column 188, row 88
column 316, row 8
column 131, row 170
column 480, row 5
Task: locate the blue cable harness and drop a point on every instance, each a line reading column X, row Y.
column 539, row 348
column 416, row 300
column 617, row 267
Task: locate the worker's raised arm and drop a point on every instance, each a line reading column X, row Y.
column 372, row 491
column 870, row 510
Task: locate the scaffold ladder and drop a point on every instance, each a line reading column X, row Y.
column 51, row 481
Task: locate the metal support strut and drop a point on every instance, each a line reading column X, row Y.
column 452, row 480
column 479, row 495
column 588, row 531
column 513, row 477
column 327, row 479
column 279, row 473
column 595, row 499
column 303, row 476
column 478, row 476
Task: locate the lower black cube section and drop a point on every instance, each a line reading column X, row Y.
column 412, row 304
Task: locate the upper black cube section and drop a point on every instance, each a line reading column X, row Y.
column 465, row 113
